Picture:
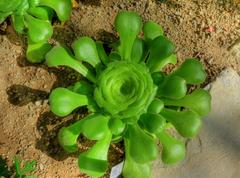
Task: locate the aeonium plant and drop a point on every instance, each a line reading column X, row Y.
column 34, row 18
column 129, row 98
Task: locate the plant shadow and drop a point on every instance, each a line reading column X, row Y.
column 21, row 95
column 48, row 126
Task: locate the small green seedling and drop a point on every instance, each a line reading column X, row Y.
column 129, row 98
column 34, row 18
column 22, row 170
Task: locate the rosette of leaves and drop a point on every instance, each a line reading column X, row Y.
column 129, row 98
column 34, row 18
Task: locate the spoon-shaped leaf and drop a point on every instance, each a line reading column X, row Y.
column 153, row 123
column 36, row 51
column 173, row 149
column 116, row 126
column 102, row 53
column 95, row 127
column 38, row 30
column 187, row 123
column 18, row 23
column 192, row 71
column 59, row 56
column 158, row 78
column 85, row 50
column 160, row 54
column 198, row 101
column 133, row 169
column 44, row 13
column 67, row 136
column 22, row 8
column 138, row 50
column 156, row 106
column 173, row 87
column 151, row 30
column 114, row 56
column 33, row 3
column 94, row 161
column 128, row 25
column 4, row 15
column 9, row 6
column 63, row 101
column 83, row 87
column 61, row 7
column 142, row 147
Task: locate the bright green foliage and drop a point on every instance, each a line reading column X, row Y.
column 22, row 170
column 129, row 97
column 34, row 18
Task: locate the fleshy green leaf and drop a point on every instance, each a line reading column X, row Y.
column 9, row 6
column 132, row 169
column 4, row 15
column 138, row 50
column 116, row 126
column 114, row 56
column 43, row 13
column 94, row 161
column 36, row 51
column 95, row 127
column 173, row 87
column 83, row 87
column 187, row 123
column 85, row 50
column 160, row 54
column 38, row 30
column 142, row 147
column 59, row 56
column 158, row 78
column 173, row 149
column 63, row 101
column 192, row 71
column 33, row 3
column 102, row 53
column 67, row 136
column 18, row 23
column 153, row 123
column 156, row 106
column 198, row 101
column 151, row 31
column 22, row 8
column 128, row 25
column 61, row 7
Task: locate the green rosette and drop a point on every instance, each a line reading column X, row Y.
column 124, row 89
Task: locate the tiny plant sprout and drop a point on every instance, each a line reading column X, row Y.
column 33, row 18
column 129, row 97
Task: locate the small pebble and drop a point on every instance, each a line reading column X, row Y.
column 38, row 103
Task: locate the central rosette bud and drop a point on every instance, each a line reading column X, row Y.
column 125, row 89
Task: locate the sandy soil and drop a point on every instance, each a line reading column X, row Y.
column 208, row 30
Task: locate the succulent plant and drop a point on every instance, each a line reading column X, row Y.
column 34, row 18
column 129, row 98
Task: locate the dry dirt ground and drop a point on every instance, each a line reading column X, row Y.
column 205, row 29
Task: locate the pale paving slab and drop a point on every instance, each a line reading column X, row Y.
column 215, row 153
